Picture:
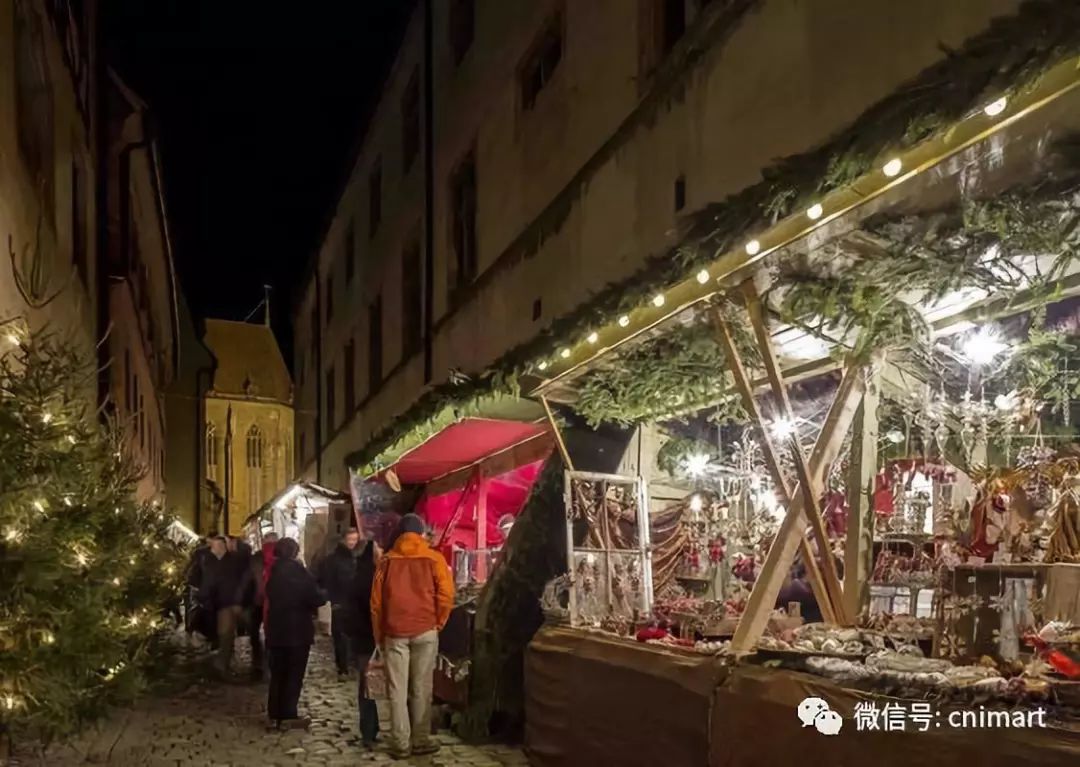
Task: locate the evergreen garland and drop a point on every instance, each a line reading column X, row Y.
column 84, row 570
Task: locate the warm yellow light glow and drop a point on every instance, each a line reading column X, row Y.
column 71, row 439
column 46, row 417
column 564, row 353
column 703, row 276
column 695, row 502
column 543, row 365
column 753, row 248
column 624, row 321
column 39, row 505
column 13, row 339
column 893, row 167
column 994, row 108
column 593, row 337
column 48, row 637
column 81, row 558
column 814, row 211
column 116, row 581
column 658, row 301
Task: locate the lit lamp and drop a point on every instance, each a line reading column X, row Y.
column 981, row 347
column 696, row 464
column 783, row 428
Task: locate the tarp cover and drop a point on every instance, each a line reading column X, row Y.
column 506, row 494
column 461, row 445
column 595, row 700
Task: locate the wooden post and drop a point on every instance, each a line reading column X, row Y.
column 859, row 547
column 782, row 552
column 481, row 525
column 567, row 463
column 811, row 490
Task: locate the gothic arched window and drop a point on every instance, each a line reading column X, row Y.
column 212, row 446
column 254, row 448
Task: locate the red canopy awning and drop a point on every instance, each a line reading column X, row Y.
column 460, row 446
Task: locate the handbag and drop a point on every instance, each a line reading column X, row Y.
column 375, row 685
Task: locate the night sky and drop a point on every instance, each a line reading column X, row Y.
column 258, row 106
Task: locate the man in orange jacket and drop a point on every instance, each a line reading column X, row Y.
column 411, row 599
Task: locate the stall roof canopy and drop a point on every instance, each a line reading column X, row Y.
column 305, row 489
column 462, row 445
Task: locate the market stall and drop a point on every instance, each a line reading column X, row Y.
column 469, row 482
column 313, row 515
column 867, row 404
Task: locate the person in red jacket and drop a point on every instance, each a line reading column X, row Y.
column 411, row 598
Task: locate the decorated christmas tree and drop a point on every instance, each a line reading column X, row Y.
column 84, row 569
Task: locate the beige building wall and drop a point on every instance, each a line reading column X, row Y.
column 260, row 452
column 47, row 205
column 788, row 75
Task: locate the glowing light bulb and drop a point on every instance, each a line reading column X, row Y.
column 67, row 501
column 658, row 301
column 624, row 321
column 593, row 337
column 48, row 637
column 754, row 247
column 893, row 167
column 895, row 437
column 543, row 365
column 703, row 276
column 71, row 439
column 39, row 505
column 170, row 569
column 46, row 417
column 116, row 511
column 696, row 464
column 695, row 502
column 116, row 581
column 131, row 560
column 81, row 559
column 994, row 108
column 565, row 353
column 983, row 346
column 814, row 211
column 783, row 428
column 11, row 534
column 13, row 339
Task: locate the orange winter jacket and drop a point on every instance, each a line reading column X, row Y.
column 412, row 592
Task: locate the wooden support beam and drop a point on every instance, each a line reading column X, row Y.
column 482, row 483
column 744, row 387
column 811, row 491
column 782, row 553
column 558, row 435
column 862, row 468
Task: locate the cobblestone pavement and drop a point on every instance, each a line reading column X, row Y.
column 212, row 724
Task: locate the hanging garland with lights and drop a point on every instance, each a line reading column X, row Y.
column 1007, row 59
column 85, row 570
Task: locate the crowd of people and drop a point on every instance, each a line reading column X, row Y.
column 387, row 606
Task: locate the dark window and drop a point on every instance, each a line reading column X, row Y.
column 350, row 252
column 128, row 402
column 680, row 193
column 375, row 198
column 410, row 123
column 412, row 310
column 672, row 23
column 254, row 448
column 34, row 103
column 329, row 297
column 212, row 447
column 375, row 340
column 538, row 309
column 462, row 27
column 330, row 400
column 463, row 211
column 540, row 65
column 78, row 223
column 350, row 378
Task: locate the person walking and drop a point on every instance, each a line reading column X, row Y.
column 222, row 591
column 261, row 562
column 411, row 598
column 337, row 576
column 362, row 640
column 292, row 597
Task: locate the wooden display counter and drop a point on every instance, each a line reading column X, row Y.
column 595, row 700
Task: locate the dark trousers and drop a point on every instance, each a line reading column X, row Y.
column 255, row 621
column 369, row 711
column 287, row 667
column 339, row 633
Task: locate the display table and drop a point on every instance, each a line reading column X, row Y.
column 594, row 700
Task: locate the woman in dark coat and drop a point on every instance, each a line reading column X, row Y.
column 363, row 641
column 292, row 597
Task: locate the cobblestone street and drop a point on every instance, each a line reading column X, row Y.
column 224, row 724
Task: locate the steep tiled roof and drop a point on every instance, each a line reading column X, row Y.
column 249, row 362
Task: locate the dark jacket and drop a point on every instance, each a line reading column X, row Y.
column 337, row 573
column 226, row 582
column 196, row 566
column 362, row 634
column 292, row 597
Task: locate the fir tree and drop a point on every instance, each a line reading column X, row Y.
column 84, row 569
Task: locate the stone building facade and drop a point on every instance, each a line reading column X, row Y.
column 247, row 435
column 524, row 156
